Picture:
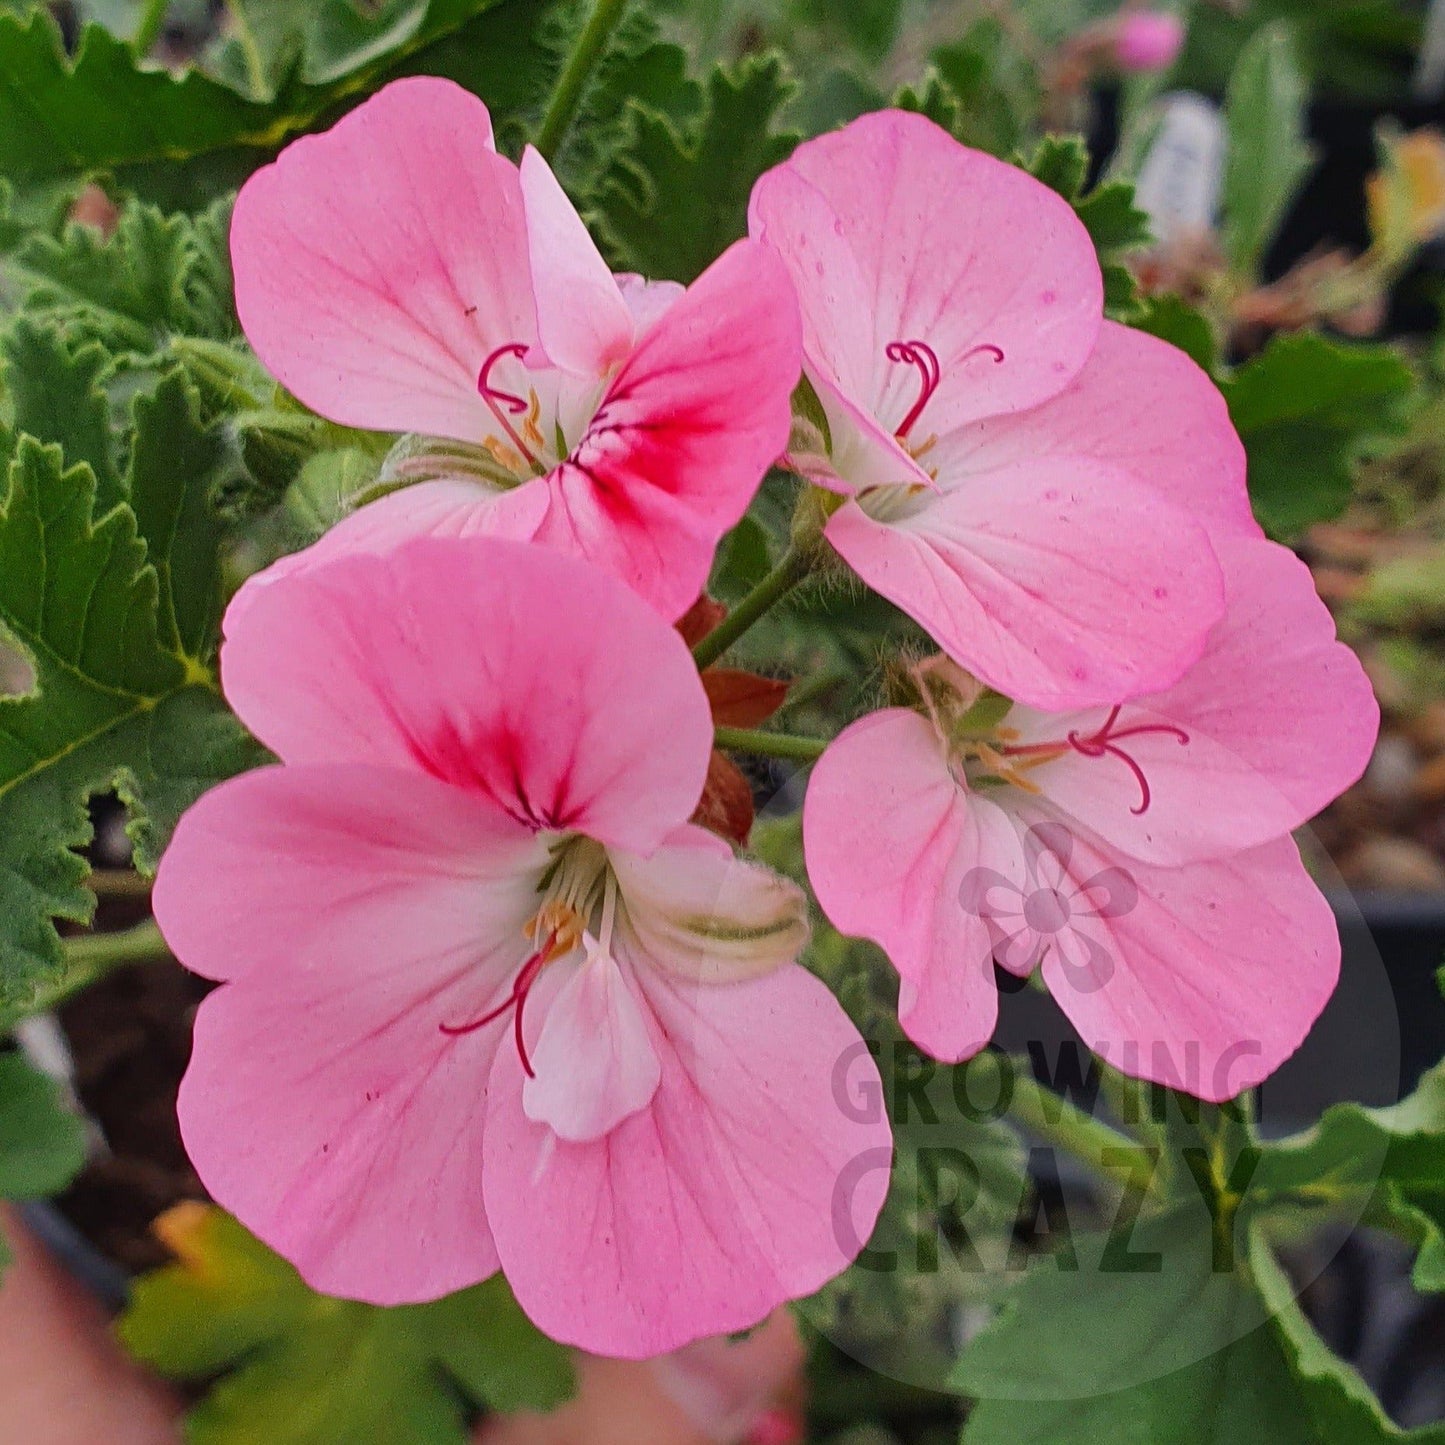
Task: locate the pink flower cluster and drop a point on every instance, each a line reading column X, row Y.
column 490, row 999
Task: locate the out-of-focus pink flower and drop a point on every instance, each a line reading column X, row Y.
column 395, row 273
column 1138, row 854
column 489, row 999
column 1030, row 483
column 1146, row 40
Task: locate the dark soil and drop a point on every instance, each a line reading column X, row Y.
column 131, row 1036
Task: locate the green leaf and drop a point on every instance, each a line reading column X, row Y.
column 1267, row 154
column 156, row 278
column 1340, row 1406
column 1387, row 1163
column 1112, row 219
column 998, row 87
column 1174, row 320
column 672, row 202
column 105, row 109
column 1306, row 408
column 299, row 1368
column 124, row 695
column 54, row 392
column 932, row 98
column 1061, row 162
column 42, row 1144
column 177, row 465
column 1163, row 1346
column 870, row 26
column 1114, row 223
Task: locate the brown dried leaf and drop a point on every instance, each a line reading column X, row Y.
column 726, row 807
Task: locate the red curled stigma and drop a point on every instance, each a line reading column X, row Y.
column 921, row 355
column 1105, row 741
column 521, row 987
column 497, row 399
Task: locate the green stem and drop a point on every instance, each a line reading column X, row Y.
column 567, row 96
column 88, row 958
column 148, row 29
column 795, row 565
column 1054, row 1119
column 769, row 745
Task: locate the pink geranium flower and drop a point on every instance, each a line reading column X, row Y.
column 1139, row 854
column 1145, row 41
column 488, row 998
column 395, row 273
column 996, row 442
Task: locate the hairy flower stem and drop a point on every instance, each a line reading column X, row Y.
column 567, row 95
column 796, row 564
column 88, row 958
column 769, row 745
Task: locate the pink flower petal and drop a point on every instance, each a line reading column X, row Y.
column 891, row 839
column 594, row 1065
column 274, row 864
column 647, row 300
column 754, row 1176
column 428, row 509
column 685, row 433
column 892, row 231
column 1213, row 979
column 379, row 263
column 444, row 657
column 694, row 910
column 1280, row 719
column 324, row 1106
column 1060, row 585
column 1139, row 405
column 583, row 323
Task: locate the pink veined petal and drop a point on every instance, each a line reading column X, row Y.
column 594, row 1064
column 892, row 231
column 583, row 323
column 379, row 263
column 1140, row 406
column 694, row 910
column 753, row 1177
column 891, row 840
column 1059, row 590
column 1279, row 715
column 1213, row 979
column 496, row 666
column 324, row 1106
column 685, row 433
column 281, row 861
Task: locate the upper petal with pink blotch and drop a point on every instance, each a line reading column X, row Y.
column 492, row 665
column 684, row 434
column 890, row 838
column 1060, row 583
column 280, row 862
column 894, row 232
column 1275, row 719
column 323, row 1105
column 379, row 263
column 754, row 1174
